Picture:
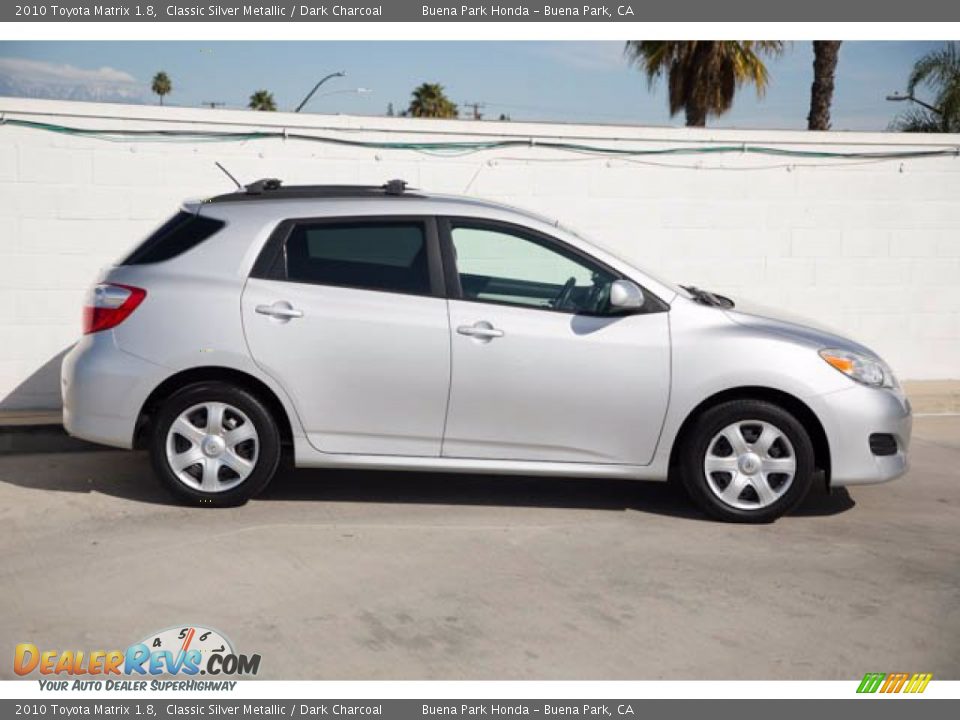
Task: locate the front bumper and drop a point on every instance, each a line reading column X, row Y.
column 103, row 390
column 849, row 417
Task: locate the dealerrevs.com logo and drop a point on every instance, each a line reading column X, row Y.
column 190, row 650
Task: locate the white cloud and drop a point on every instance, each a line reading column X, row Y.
column 37, row 78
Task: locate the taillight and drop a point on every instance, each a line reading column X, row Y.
column 110, row 304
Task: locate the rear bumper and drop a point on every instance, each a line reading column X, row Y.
column 103, row 389
column 849, row 417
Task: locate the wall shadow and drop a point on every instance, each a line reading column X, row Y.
column 41, row 390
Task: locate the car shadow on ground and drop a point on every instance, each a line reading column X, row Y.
column 656, row 498
column 362, row 486
column 129, row 476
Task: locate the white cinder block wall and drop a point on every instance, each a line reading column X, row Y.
column 872, row 248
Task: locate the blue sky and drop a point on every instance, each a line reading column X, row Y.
column 563, row 81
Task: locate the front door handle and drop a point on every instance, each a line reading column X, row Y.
column 281, row 310
column 480, row 330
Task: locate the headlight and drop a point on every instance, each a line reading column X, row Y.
column 861, row 368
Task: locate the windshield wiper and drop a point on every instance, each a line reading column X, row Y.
column 708, row 298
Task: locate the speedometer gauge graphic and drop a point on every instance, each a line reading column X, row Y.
column 181, row 639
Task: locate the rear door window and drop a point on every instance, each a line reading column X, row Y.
column 385, row 256
column 180, row 233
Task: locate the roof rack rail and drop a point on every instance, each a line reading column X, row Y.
column 395, row 186
column 274, row 189
column 261, row 186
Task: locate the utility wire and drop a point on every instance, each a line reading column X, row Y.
column 471, row 146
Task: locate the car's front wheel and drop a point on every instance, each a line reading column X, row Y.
column 214, row 444
column 747, row 461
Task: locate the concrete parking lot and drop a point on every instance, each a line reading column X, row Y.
column 348, row 575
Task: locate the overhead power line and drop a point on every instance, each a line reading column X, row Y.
column 469, row 146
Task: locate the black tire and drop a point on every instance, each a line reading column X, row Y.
column 713, row 421
column 267, row 442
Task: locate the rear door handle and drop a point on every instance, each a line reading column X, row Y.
column 480, row 330
column 281, row 310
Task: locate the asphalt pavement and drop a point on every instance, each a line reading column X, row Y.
column 373, row 575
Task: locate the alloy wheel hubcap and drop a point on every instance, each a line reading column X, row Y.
column 750, row 464
column 212, row 447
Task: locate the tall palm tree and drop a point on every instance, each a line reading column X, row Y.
column 262, row 100
column 825, row 56
column 161, row 85
column 939, row 72
column 429, row 100
column 703, row 75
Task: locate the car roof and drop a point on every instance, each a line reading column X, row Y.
column 271, row 190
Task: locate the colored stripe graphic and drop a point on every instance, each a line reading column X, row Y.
column 871, row 682
column 918, row 683
column 894, row 682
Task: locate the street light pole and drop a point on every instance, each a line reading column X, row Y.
column 316, row 87
column 351, row 91
column 896, row 97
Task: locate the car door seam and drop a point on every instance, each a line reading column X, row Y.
column 446, row 414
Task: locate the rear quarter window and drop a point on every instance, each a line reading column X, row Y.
column 177, row 235
column 385, row 256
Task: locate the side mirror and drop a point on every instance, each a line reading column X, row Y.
column 625, row 295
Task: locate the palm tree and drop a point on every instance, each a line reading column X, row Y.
column 825, row 56
column 703, row 75
column 162, row 85
column 262, row 100
column 430, row 101
column 917, row 120
column 939, row 72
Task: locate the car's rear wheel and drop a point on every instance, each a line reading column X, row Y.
column 214, row 444
column 747, row 461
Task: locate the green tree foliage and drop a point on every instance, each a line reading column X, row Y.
column 703, row 75
column 161, row 85
column 262, row 100
column 430, row 101
column 937, row 72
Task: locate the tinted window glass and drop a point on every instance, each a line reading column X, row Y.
column 373, row 256
column 500, row 266
column 180, row 233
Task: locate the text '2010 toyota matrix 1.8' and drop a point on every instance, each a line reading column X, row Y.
column 370, row 327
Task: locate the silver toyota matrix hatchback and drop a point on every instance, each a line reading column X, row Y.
column 380, row 327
